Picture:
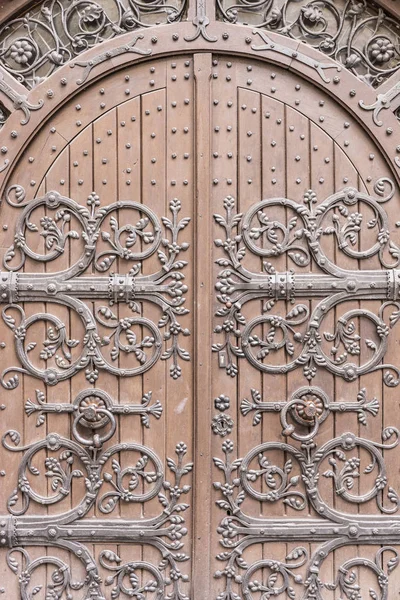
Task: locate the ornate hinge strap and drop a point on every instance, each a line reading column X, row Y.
column 135, row 335
column 240, row 530
column 388, row 101
column 271, row 46
column 296, row 336
column 107, row 485
column 100, row 58
column 19, row 101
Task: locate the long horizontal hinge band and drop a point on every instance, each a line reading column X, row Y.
column 371, row 284
column 36, row 531
column 17, row 287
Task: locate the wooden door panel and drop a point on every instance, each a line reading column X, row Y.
column 281, row 137
column 117, row 280
column 114, row 150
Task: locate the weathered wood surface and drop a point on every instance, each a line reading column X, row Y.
column 197, row 129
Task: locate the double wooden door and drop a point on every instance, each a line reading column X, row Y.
column 198, row 348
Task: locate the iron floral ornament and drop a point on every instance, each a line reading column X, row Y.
column 307, row 408
column 39, row 42
column 355, row 33
column 107, row 484
column 297, row 337
column 240, row 530
column 93, row 398
column 103, row 239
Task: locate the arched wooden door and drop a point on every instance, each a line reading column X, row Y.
column 200, row 295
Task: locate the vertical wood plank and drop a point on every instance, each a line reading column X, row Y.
column 344, row 390
column 203, row 311
column 180, row 184
column 153, row 142
column 130, row 390
column 249, row 182
column 223, row 152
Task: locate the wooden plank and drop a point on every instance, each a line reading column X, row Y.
column 345, row 391
column 81, row 184
column 249, row 178
column 130, row 390
column 298, row 181
column 105, row 185
column 322, row 182
column 203, row 311
column 223, row 152
column 180, row 162
column 153, row 143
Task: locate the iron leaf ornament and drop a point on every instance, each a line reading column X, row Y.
column 107, row 484
column 297, row 336
column 354, row 33
column 103, row 239
column 240, row 529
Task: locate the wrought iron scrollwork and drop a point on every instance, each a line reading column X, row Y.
column 347, row 580
column 37, row 43
column 61, row 577
column 297, row 337
column 276, row 472
column 66, row 223
column 239, row 529
column 107, row 484
column 308, row 407
column 108, row 480
column 94, row 399
column 361, row 37
column 270, row 578
column 343, row 471
column 253, row 580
